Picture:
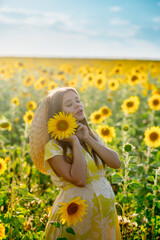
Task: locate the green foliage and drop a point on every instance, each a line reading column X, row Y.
column 26, row 195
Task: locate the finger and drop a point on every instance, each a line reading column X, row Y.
column 80, row 127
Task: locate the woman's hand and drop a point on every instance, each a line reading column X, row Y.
column 70, row 139
column 82, row 132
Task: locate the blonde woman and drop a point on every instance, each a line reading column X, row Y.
column 77, row 166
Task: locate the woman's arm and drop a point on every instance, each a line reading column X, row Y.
column 109, row 156
column 75, row 172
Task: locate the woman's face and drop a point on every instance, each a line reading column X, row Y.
column 71, row 104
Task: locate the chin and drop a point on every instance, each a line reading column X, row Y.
column 80, row 118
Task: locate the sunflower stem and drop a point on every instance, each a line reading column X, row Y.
column 61, row 230
column 25, row 137
column 124, row 132
column 153, row 206
column 125, row 178
column 11, row 208
column 152, row 118
column 148, row 154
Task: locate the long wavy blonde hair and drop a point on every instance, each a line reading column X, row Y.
column 54, row 100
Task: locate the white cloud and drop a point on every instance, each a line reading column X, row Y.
column 6, row 9
column 124, row 32
column 156, row 28
column 115, row 9
column 47, row 43
column 47, row 19
column 118, row 21
column 156, row 19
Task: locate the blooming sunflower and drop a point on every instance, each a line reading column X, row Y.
column 37, row 85
column 2, row 166
column 15, row 101
column 62, row 125
column 42, row 81
column 152, row 136
column 7, row 159
column 27, row 81
column 72, row 212
column 89, row 79
column 52, row 85
column 100, row 82
column 106, row 112
column 2, row 231
column 156, row 91
column 19, row 64
column 73, row 82
column 134, row 79
column 96, row 117
column 113, row 84
column 31, row 105
column 116, row 70
column 130, row 105
column 28, row 117
column 154, row 102
column 5, row 124
column 107, row 133
column 100, row 71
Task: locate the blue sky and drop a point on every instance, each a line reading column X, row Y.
column 85, row 28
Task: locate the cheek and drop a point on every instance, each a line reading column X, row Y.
column 67, row 110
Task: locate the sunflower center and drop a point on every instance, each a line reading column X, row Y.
column 156, row 102
column 29, row 117
column 105, row 111
column 89, row 79
column 0, row 165
column 97, row 116
column 42, row 82
column 113, row 84
column 129, row 104
column 62, row 125
column 72, row 208
column 117, row 71
column 28, row 80
column 99, row 81
column 153, row 136
column 4, row 125
column 134, row 78
column 105, row 131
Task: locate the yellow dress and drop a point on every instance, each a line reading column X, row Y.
column 100, row 222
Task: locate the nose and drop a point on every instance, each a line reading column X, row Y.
column 76, row 104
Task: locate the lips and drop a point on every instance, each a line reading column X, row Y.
column 79, row 111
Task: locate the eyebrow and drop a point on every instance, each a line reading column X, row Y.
column 71, row 99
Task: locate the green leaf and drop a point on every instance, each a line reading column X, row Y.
column 158, row 156
column 116, row 178
column 70, row 230
column 158, row 204
column 63, row 238
column 27, row 196
column 134, row 184
column 150, row 196
column 56, row 224
column 150, row 178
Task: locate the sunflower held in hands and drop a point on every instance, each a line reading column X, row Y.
column 62, row 125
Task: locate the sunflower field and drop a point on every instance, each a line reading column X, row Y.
column 122, row 103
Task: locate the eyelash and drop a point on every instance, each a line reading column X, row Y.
column 69, row 105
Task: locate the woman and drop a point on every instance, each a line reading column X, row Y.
column 77, row 166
